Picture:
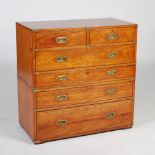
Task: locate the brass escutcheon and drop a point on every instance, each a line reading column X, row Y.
column 61, row 78
column 61, row 40
column 111, row 91
column 112, row 36
column 61, row 59
column 110, row 115
column 112, row 72
column 61, row 97
column 61, row 122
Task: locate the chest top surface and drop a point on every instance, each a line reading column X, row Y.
column 79, row 23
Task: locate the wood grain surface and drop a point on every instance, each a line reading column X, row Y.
column 85, row 57
column 83, row 76
column 26, row 104
column 25, row 56
column 125, row 34
column 48, row 39
column 82, row 120
column 76, row 23
column 85, row 94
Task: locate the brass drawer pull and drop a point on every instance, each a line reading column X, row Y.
column 112, row 55
column 61, row 59
column 112, row 72
column 61, row 78
column 61, row 97
column 112, row 36
column 61, row 40
column 111, row 91
column 61, row 122
column 110, row 115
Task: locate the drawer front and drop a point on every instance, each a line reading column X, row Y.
column 50, row 39
column 112, row 35
column 83, row 76
column 82, row 95
column 73, row 58
column 69, row 122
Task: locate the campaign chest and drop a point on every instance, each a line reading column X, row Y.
column 75, row 77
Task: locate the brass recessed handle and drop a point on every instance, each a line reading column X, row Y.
column 61, row 59
column 61, row 122
column 61, row 40
column 111, row 91
column 112, row 36
column 61, row 78
column 61, row 97
column 112, row 72
column 110, row 115
column 112, row 55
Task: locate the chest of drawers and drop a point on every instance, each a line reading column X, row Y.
column 75, row 77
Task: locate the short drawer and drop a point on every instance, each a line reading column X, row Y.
column 50, row 39
column 70, row 122
column 83, row 76
column 83, row 57
column 113, row 35
column 82, row 95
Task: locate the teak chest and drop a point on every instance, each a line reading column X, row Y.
column 75, row 77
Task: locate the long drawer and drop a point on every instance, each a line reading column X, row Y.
column 83, row 76
column 85, row 57
column 70, row 122
column 85, row 94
